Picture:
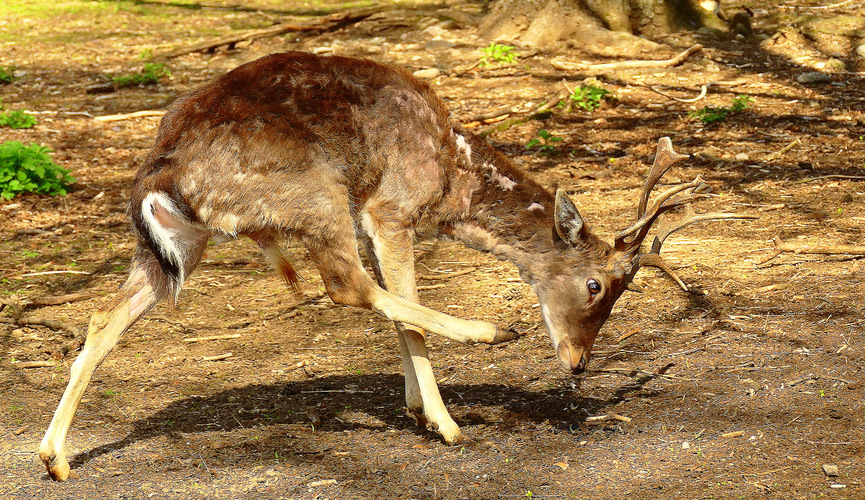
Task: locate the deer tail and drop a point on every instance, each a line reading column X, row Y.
column 175, row 241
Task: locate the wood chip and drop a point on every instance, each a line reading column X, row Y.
column 621, row 418
column 599, row 418
column 323, row 482
column 734, row 434
column 23, row 428
column 562, row 465
column 830, row 470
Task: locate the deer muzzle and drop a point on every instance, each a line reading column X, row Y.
column 574, row 359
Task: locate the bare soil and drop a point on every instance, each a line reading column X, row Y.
column 743, row 387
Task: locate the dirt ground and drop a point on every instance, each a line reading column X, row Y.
column 744, row 387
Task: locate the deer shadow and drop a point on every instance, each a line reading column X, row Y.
column 379, row 396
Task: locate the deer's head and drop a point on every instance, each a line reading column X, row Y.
column 581, row 280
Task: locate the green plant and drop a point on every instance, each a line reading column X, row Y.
column 544, row 142
column 151, row 74
column 17, row 119
column 6, row 75
column 712, row 114
column 497, row 53
column 589, row 97
column 29, row 169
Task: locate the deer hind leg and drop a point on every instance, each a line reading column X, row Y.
column 393, row 261
column 144, row 287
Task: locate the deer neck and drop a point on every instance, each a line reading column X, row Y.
column 509, row 215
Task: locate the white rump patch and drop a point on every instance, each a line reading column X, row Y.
column 162, row 235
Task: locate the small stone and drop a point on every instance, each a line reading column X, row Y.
column 427, row 74
column 686, row 445
column 860, row 51
column 741, row 157
column 830, row 470
column 835, row 65
column 322, row 50
column 439, row 44
column 434, row 30
column 814, row 77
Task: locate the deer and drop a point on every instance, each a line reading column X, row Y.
column 339, row 153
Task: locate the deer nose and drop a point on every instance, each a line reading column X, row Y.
column 572, row 358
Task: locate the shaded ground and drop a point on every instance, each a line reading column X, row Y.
column 310, row 403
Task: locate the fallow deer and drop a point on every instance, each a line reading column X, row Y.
column 334, row 151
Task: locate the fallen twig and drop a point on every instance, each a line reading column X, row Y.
column 328, row 23
column 831, row 176
column 446, row 275
column 780, row 152
column 644, row 373
column 501, row 127
column 49, row 323
column 817, row 377
column 703, row 90
column 128, row 116
column 629, row 334
column 60, row 299
column 212, row 337
column 782, row 246
column 218, row 357
column 33, row 364
column 571, row 66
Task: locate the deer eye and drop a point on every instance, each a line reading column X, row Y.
column 593, row 286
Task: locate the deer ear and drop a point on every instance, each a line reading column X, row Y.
column 569, row 223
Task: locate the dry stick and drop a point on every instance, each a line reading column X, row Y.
column 629, row 334
column 501, row 127
column 72, row 345
column 49, row 323
column 34, row 364
column 60, row 299
column 832, row 176
column 212, row 337
column 570, row 66
column 490, row 115
column 43, row 273
column 127, row 116
column 781, row 247
column 331, row 22
column 447, row 275
column 703, row 90
column 779, row 153
column 632, row 373
column 217, row 358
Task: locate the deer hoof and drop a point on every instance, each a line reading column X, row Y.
column 505, row 335
column 458, row 440
column 58, row 467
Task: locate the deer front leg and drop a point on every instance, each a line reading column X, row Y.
column 134, row 298
column 393, row 260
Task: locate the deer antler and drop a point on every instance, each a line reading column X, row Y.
column 666, row 201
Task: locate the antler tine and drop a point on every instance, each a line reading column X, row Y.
column 662, row 204
column 665, row 157
column 687, row 220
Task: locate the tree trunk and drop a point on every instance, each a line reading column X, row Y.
column 608, row 27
